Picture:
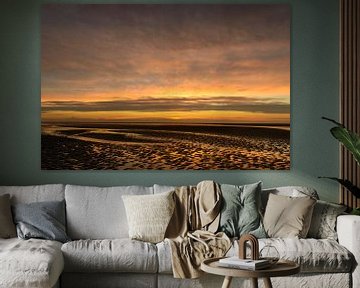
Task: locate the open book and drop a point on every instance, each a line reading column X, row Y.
column 236, row 262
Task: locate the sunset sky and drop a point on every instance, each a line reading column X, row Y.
column 165, row 63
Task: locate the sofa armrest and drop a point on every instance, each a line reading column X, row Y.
column 348, row 230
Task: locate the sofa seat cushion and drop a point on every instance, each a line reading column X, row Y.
column 115, row 255
column 313, row 255
column 30, row 263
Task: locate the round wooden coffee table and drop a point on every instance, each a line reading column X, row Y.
column 281, row 268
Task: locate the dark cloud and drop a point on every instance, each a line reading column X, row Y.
column 109, row 47
column 225, row 103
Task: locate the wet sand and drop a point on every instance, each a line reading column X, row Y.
column 164, row 147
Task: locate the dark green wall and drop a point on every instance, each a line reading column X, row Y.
column 314, row 93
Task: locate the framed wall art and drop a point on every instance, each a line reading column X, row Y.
column 165, row 87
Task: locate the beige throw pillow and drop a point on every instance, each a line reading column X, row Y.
column 288, row 217
column 7, row 226
column 149, row 215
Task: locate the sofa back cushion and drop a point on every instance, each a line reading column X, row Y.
column 36, row 193
column 98, row 212
column 163, row 188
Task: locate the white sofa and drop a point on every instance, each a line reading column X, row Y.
column 101, row 255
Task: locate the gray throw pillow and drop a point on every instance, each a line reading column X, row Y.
column 7, row 227
column 240, row 213
column 323, row 222
column 43, row 220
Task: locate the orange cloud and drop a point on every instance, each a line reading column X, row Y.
column 136, row 52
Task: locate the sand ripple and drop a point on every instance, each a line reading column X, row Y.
column 69, row 148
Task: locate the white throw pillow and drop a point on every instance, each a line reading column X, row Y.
column 149, row 215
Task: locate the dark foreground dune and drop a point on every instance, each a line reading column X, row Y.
column 164, row 147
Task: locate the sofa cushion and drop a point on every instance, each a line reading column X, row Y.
column 43, row 220
column 323, row 222
column 287, row 216
column 117, row 255
column 30, row 263
column 164, row 257
column 36, row 193
column 240, row 210
column 98, row 213
column 149, row 215
column 7, row 227
column 163, row 188
column 313, row 255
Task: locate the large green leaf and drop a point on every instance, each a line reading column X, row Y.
column 347, row 184
column 348, row 138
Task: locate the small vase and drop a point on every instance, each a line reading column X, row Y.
column 270, row 253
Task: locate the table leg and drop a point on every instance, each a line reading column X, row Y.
column 254, row 282
column 267, row 283
column 227, row 282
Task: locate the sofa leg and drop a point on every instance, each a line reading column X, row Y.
column 254, row 282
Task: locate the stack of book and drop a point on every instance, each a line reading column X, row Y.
column 248, row 264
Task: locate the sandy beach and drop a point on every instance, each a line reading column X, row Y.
column 164, row 147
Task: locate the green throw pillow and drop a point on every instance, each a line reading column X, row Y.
column 240, row 213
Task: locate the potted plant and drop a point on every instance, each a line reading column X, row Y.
column 351, row 141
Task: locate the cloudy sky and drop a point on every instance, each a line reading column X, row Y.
column 188, row 63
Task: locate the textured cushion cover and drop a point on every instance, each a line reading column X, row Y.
column 32, row 263
column 7, row 227
column 117, row 255
column 240, row 210
column 44, row 220
column 149, row 215
column 323, row 222
column 98, row 213
column 287, row 216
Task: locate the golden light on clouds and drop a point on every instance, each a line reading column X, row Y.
column 185, row 116
column 161, row 63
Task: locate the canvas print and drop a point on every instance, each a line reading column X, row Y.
column 165, row 87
